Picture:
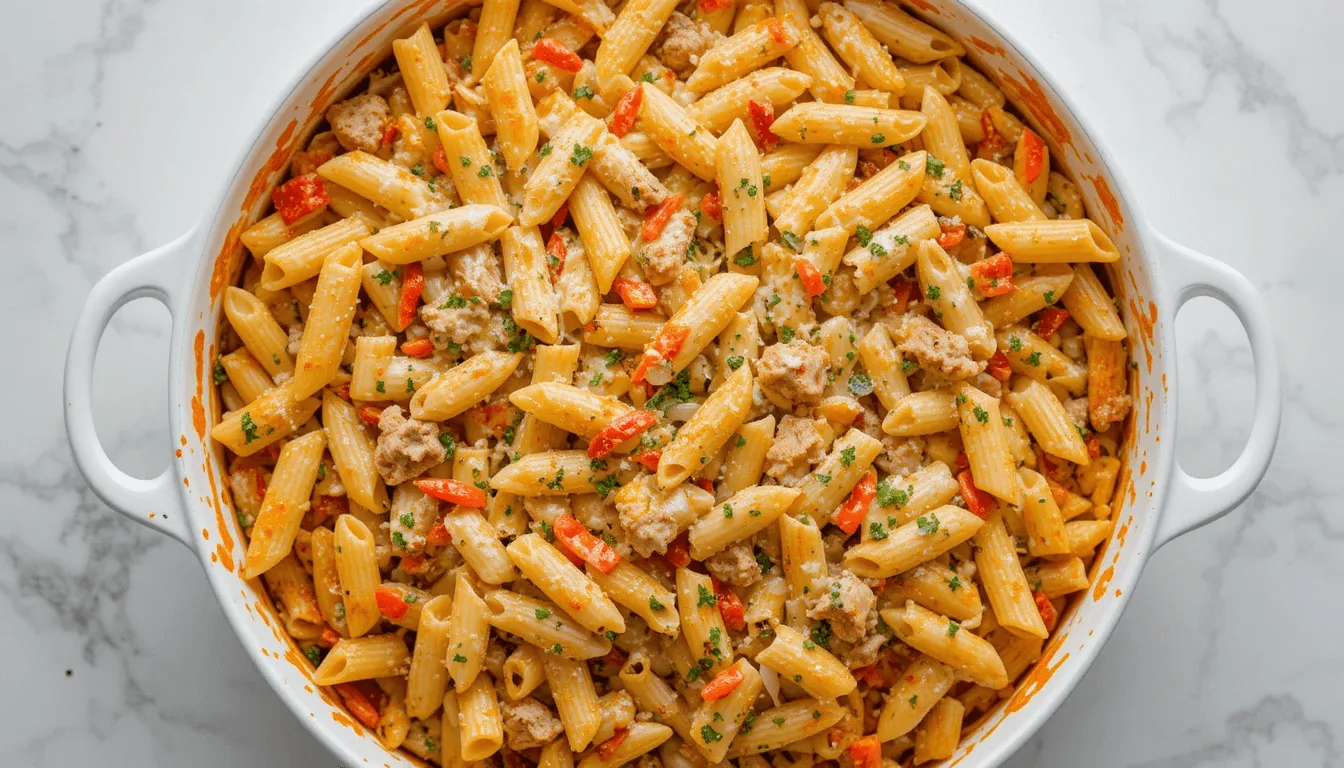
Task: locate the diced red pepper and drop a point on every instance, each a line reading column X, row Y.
column 358, row 704
column 390, row 602
column 582, row 542
column 1093, row 446
column 412, row 285
column 649, row 459
column 996, row 267
column 723, row 684
column 850, row 515
column 993, row 143
column 441, row 159
column 777, row 31
column 810, row 276
column 657, row 218
column 999, row 367
column 620, row 429
column 1052, row 318
column 390, row 134
column 608, row 748
column 329, row 507
column 417, row 348
column 704, row 484
column 300, row 197
column 901, row 291
column 866, row 752
column 1047, row 609
column 561, row 215
column 762, row 117
column 329, row 636
column 963, row 462
column 993, row 276
column 870, row 675
column 1034, row 162
column 343, row 392
column 730, row 606
column 951, row 235
column 552, row 52
column 370, row 414
column 452, row 491
column 710, row 6
column 665, row 346
column 626, row 112
column 679, row 551
column 977, row 501
column 634, row 293
column 556, row 251
column 439, row 536
column 711, row 206
column 868, row 169
column 413, row 564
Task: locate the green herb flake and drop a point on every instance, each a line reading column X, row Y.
column 706, row 599
column 654, row 605
column 580, row 155
column 927, row 524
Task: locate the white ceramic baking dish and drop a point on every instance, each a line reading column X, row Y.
column 1154, row 279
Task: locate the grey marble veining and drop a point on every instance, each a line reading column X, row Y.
column 124, row 116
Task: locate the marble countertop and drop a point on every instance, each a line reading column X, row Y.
column 123, row 116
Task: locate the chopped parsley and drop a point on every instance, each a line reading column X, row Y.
column 218, row 373
column 954, row 191
column 544, row 151
column 709, row 735
column 313, row 653
column 249, row 428
column 877, row 532
column 934, row 167
column 888, row 496
column 543, row 613
column 849, row 96
column 1049, row 297
column 863, row 235
column 466, row 161
column 824, row 479
column 1034, row 358
column 580, row 155
column 676, row 391
column 879, row 138
column 449, row 445
column 583, row 92
column 820, row 634
column 407, row 520
column 706, row 599
column 399, row 540
column 847, row 456
column 860, row 385
column 904, row 166
column 764, row 561
column 485, row 172
column 1015, row 344
column 786, row 334
column 794, row 242
column 606, row 485
column 459, row 658
column 430, row 124
column 735, row 361
column 909, row 366
column 928, row 524
column 466, row 63
column 418, row 170
column 541, row 76
column 384, row 277
column 745, row 257
column 728, row 511
column 933, row 292
column 877, row 250
column 741, row 441
column 914, row 701
column 954, row 583
column 981, row 415
column 559, row 481
column 952, row 628
column 654, row 605
column 557, row 649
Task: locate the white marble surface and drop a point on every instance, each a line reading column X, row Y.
column 120, row 119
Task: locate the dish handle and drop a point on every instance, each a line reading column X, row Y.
column 1193, row 502
column 156, row 503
